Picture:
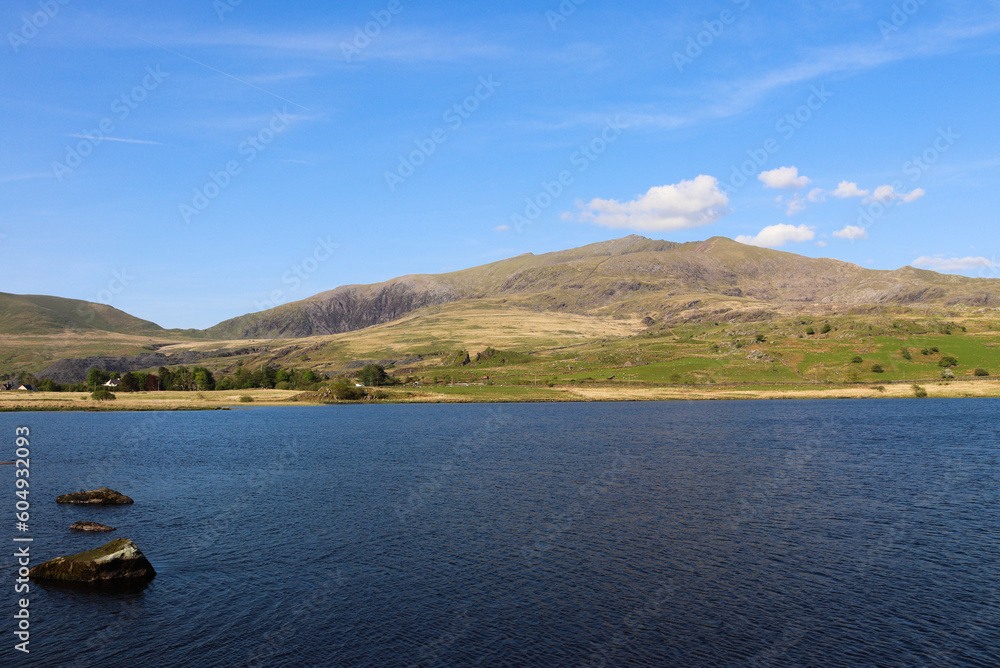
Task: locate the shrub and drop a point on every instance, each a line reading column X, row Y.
column 919, row 392
column 826, row 328
column 878, row 388
column 857, row 359
column 935, row 349
column 905, row 352
column 810, row 331
column 948, row 361
column 246, row 398
column 344, row 391
column 925, row 351
column 102, row 394
column 947, row 374
column 981, row 372
column 877, row 368
column 759, row 338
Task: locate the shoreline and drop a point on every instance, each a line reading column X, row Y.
column 227, row 400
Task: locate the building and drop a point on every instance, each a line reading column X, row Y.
column 11, row 385
column 114, row 382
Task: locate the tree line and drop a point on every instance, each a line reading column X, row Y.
column 185, row 379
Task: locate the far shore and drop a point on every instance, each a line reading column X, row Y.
column 14, row 401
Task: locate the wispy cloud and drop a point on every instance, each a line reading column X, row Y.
column 730, row 97
column 121, row 139
column 25, row 177
column 942, row 263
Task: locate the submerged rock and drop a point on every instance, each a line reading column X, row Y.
column 102, row 496
column 118, row 560
column 90, row 526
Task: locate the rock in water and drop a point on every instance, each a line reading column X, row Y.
column 118, row 560
column 90, row 526
column 102, row 496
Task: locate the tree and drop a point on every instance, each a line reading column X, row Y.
column 102, row 394
column 826, row 328
column 373, row 375
column 948, row 361
column 202, row 379
column 96, row 377
column 877, row 368
column 857, row 359
column 810, row 331
column 919, row 392
column 905, row 352
column 981, row 372
column 49, row 385
column 152, row 383
column 129, row 383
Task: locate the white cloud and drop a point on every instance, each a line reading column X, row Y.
column 816, row 195
column 847, row 189
column 786, row 178
column 942, row 263
column 851, row 232
column 796, row 204
column 672, row 207
column 774, row 236
column 821, row 244
column 888, row 194
column 501, row 228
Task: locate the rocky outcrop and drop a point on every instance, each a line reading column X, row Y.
column 102, row 496
column 75, row 370
column 84, row 525
column 344, row 309
column 118, row 560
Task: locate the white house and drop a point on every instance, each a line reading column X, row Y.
column 114, row 382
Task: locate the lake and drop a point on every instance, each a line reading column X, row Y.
column 593, row 534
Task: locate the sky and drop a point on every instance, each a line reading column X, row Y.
column 191, row 161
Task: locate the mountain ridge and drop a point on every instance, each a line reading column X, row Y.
column 630, row 275
column 712, row 279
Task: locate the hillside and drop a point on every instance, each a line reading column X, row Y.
column 40, row 314
column 632, row 276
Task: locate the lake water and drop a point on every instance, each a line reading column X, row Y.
column 630, row 534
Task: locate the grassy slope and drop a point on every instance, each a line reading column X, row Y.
column 42, row 315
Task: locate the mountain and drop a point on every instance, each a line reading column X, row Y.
column 40, row 314
column 702, row 280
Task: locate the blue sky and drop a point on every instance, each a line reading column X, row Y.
column 188, row 162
